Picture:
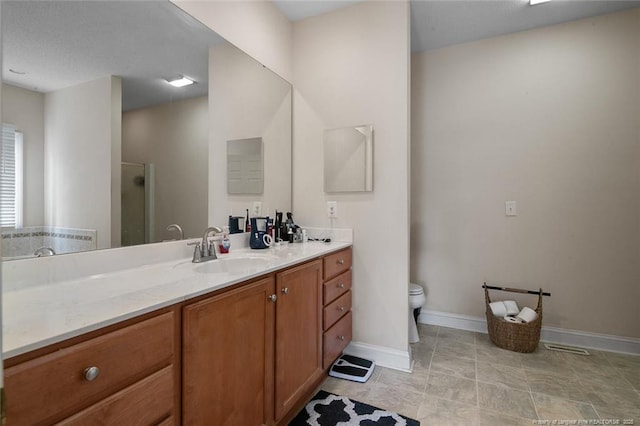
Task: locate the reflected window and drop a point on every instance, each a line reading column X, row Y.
column 11, row 178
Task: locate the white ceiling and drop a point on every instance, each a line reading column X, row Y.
column 440, row 23
column 296, row 10
column 436, row 24
column 62, row 43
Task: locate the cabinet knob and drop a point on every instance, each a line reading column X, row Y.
column 273, row 298
column 285, row 290
column 341, row 308
column 340, row 262
column 341, row 337
column 91, row 373
column 340, row 285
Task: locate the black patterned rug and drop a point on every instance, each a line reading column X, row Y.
column 327, row 409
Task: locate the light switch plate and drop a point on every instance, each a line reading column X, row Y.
column 510, row 208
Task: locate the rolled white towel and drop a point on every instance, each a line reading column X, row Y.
column 512, row 307
column 527, row 315
column 498, row 308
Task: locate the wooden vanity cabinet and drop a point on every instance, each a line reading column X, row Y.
column 337, row 318
column 227, row 372
column 298, row 363
column 247, row 355
column 124, row 376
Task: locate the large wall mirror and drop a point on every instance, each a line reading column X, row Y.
column 112, row 153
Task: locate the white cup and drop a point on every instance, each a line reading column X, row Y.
column 527, row 315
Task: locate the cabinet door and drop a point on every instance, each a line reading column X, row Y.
column 228, row 357
column 298, row 334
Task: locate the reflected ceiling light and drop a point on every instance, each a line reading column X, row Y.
column 534, row 2
column 180, row 81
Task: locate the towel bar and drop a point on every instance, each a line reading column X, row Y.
column 514, row 290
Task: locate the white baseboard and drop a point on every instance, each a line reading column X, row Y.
column 381, row 355
column 583, row 339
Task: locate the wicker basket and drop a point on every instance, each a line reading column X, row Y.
column 513, row 336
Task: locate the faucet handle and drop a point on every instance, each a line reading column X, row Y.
column 197, row 252
column 211, row 250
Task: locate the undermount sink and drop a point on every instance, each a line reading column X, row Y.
column 234, row 265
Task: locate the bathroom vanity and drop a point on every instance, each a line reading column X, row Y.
column 243, row 342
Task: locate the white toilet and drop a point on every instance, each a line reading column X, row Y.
column 416, row 300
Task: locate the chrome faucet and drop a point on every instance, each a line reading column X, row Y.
column 44, row 251
column 176, row 227
column 206, row 250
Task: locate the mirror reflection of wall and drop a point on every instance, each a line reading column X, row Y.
column 64, row 94
column 348, row 159
column 248, row 100
column 174, row 137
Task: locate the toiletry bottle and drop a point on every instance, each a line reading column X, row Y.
column 247, row 223
column 225, row 243
column 305, row 237
column 278, row 227
column 291, row 226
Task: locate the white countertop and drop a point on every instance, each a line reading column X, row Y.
column 38, row 315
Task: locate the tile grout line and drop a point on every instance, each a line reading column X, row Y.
column 533, row 400
column 535, row 406
column 596, row 411
column 476, row 363
column 426, row 383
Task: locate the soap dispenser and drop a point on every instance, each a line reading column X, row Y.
column 225, row 243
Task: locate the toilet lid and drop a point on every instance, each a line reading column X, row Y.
column 415, row 289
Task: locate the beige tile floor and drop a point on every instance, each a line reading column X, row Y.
column 461, row 378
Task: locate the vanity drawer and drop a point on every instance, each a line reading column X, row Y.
column 57, row 384
column 147, row 402
column 336, row 287
column 336, row 339
column 336, row 309
column 337, row 263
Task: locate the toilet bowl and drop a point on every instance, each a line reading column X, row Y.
column 416, row 300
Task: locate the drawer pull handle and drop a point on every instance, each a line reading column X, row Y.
column 341, row 337
column 340, row 285
column 273, row 298
column 340, row 262
column 285, row 290
column 341, row 308
column 91, row 373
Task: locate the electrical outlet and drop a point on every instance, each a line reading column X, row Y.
column 332, row 209
column 257, row 209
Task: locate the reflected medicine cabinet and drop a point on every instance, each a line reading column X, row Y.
column 245, row 168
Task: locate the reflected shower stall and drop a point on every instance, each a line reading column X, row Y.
column 137, row 196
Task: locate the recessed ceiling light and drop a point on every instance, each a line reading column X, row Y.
column 17, row 71
column 180, row 81
column 534, row 2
